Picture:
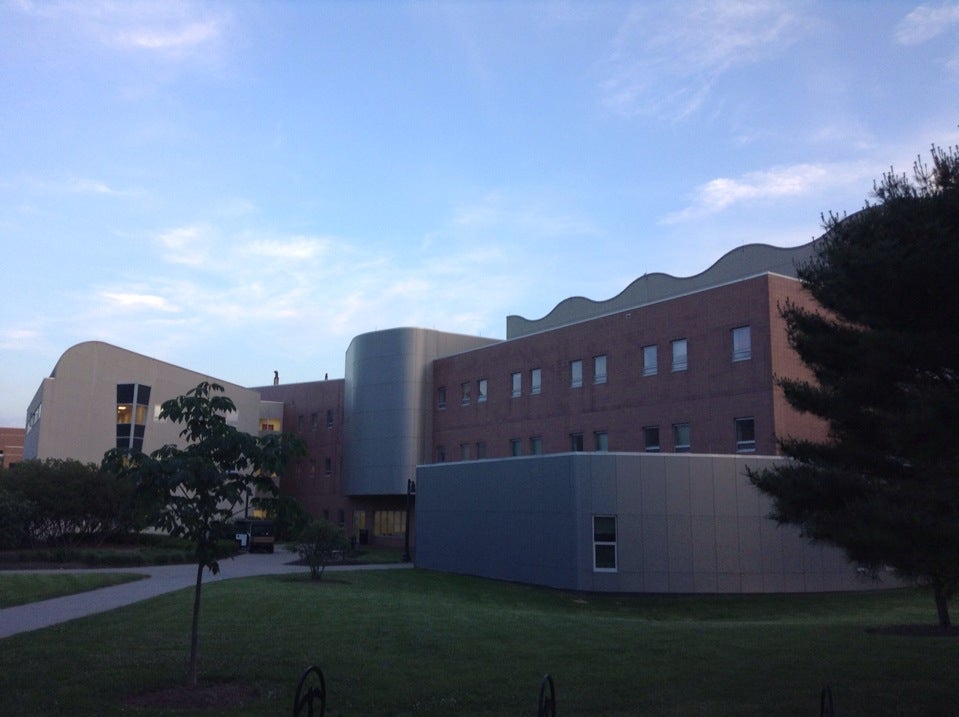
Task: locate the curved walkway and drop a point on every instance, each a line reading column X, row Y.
column 161, row 579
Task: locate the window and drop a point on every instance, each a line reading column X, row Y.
column 679, row 355
column 536, row 445
column 329, row 418
column 267, row 425
column 575, row 373
column 650, row 361
column 481, row 390
column 599, row 369
column 441, row 397
column 602, row 441
column 576, row 442
column 314, row 420
column 535, row 380
column 465, row 393
column 480, row 450
column 299, row 423
column 742, row 344
column 441, row 454
column 516, row 384
column 133, row 402
column 604, row 543
column 745, row 435
column 389, row 522
column 681, row 437
column 328, row 466
column 340, row 517
column 313, row 468
column 651, row 438
column 515, row 447
column 464, row 451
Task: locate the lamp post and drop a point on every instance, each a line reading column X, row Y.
column 410, row 494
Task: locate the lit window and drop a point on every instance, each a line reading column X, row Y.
column 650, row 361
column 681, row 437
column 535, row 380
column 651, row 439
column 481, row 390
column 536, row 445
column 599, row 369
column 441, row 397
column 742, row 344
column 604, row 543
column 133, row 401
column 465, row 393
column 602, row 441
column 516, row 382
column 576, row 373
column 576, row 442
column 745, row 435
column 389, row 522
column 679, row 355
column 515, row 447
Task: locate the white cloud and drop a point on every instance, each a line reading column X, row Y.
column 185, row 245
column 132, row 301
column 797, row 180
column 666, row 57
column 293, row 249
column 187, row 35
column 926, row 22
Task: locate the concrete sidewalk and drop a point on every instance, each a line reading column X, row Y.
column 161, row 579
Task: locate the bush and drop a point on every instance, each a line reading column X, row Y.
column 318, row 543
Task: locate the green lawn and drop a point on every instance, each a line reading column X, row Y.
column 418, row 643
column 22, row 588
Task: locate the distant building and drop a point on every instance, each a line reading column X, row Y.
column 11, row 446
column 600, row 447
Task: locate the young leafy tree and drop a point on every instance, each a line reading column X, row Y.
column 317, row 544
column 884, row 353
column 198, row 488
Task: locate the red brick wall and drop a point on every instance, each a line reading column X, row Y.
column 709, row 395
column 11, row 443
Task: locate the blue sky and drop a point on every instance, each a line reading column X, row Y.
column 239, row 188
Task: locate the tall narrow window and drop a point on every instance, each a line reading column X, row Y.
column 745, row 435
column 602, row 441
column 679, row 355
column 133, row 402
column 536, row 445
column 516, row 384
column 651, row 439
column 536, row 380
column 604, row 543
column 742, row 344
column 441, row 397
column 599, row 369
column 515, row 447
column 328, row 466
column 650, row 361
column 465, row 393
column 681, row 437
column 575, row 373
column 481, row 450
column 329, row 418
column 576, row 442
column 481, row 387
column 314, row 420
column 464, row 451
column 441, row 454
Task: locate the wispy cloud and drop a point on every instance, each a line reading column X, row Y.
column 136, row 302
column 926, row 22
column 185, row 245
column 720, row 194
column 296, row 248
column 666, row 57
column 15, row 339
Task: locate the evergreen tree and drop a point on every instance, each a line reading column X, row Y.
column 884, row 356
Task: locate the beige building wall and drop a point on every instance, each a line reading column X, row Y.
column 74, row 412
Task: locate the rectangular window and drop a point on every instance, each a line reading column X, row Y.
column 314, row 420
column 515, row 447
column 389, row 522
column 133, row 402
column 650, row 361
column 299, row 423
column 441, row 454
column 536, row 445
column 328, row 466
column 604, row 543
column 599, row 369
column 535, row 380
column 441, row 397
column 575, row 373
column 602, row 441
column 464, row 451
column 329, row 418
column 681, row 437
column 480, row 450
column 679, row 355
column 651, row 439
column 481, row 386
column 576, row 442
column 465, row 393
column 745, row 435
column 516, row 384
column 742, row 344
column 312, row 467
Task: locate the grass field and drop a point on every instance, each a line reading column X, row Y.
column 419, row 643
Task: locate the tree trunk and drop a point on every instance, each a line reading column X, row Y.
column 942, row 604
column 194, row 635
